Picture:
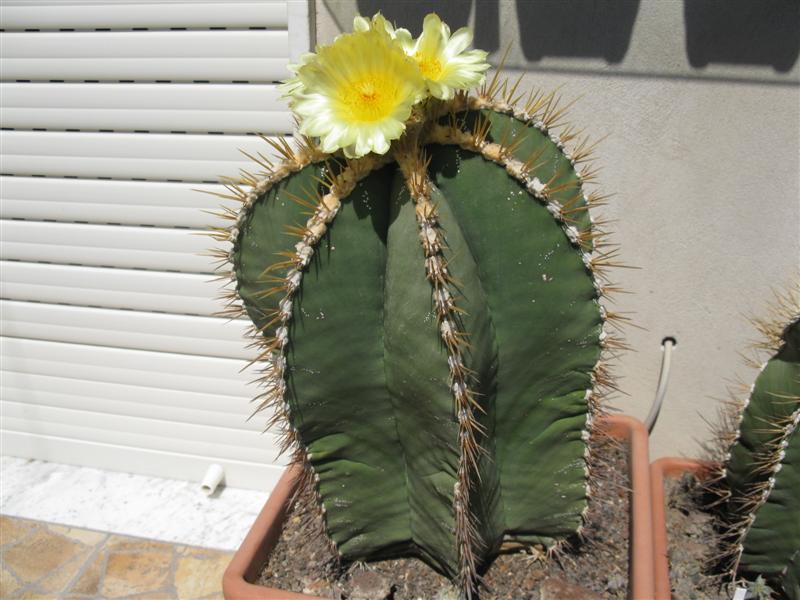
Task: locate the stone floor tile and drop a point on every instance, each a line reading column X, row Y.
column 88, row 582
column 136, row 572
column 47, row 561
column 13, row 530
column 34, row 595
column 199, row 573
column 57, row 580
column 124, row 543
column 8, row 583
column 40, row 553
column 85, row 536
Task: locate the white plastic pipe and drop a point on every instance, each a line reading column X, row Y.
column 663, row 378
column 211, row 480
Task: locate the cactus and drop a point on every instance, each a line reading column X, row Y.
column 430, row 327
column 760, row 484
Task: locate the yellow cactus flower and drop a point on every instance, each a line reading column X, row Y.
column 293, row 85
column 444, row 60
column 378, row 22
column 357, row 93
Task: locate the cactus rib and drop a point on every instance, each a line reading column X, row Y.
column 325, row 207
column 414, row 169
column 503, row 155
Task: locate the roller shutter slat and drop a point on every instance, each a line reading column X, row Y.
column 131, row 400
column 138, row 330
column 126, row 155
column 107, row 246
column 138, row 431
column 151, row 107
column 184, row 293
column 202, row 374
column 161, row 204
column 253, row 56
column 32, row 14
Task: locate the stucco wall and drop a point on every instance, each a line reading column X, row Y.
column 702, row 103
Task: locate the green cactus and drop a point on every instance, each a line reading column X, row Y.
column 761, row 479
column 432, row 335
column 431, row 328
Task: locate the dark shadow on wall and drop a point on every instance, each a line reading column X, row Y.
column 750, row 32
column 579, row 28
column 410, row 14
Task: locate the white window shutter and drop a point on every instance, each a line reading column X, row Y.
column 113, row 113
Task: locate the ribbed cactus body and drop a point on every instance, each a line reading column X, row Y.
column 432, row 347
column 771, row 546
column 762, row 474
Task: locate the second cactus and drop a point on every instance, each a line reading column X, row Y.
column 759, row 486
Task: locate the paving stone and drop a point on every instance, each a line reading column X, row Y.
column 131, row 572
column 40, row 553
column 8, row 583
column 57, row 580
column 123, row 543
column 13, row 530
column 89, row 580
column 85, row 536
column 50, row 561
column 33, row 595
column 199, row 572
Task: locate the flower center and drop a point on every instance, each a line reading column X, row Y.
column 369, row 99
column 429, row 65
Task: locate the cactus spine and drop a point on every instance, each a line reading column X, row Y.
column 760, row 483
column 432, row 340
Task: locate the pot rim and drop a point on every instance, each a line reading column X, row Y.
column 259, row 543
column 660, row 469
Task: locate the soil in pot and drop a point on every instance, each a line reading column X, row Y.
column 596, row 567
column 693, row 541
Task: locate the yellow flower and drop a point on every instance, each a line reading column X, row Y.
column 293, row 85
column 378, row 22
column 443, row 59
column 357, row 93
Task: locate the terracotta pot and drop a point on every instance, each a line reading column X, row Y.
column 263, row 536
column 640, row 567
column 660, row 470
column 259, row 542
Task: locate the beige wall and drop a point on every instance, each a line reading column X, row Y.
column 703, row 159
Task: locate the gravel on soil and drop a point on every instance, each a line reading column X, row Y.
column 595, row 567
column 692, row 539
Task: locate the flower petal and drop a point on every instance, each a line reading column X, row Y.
column 459, row 42
column 360, row 23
